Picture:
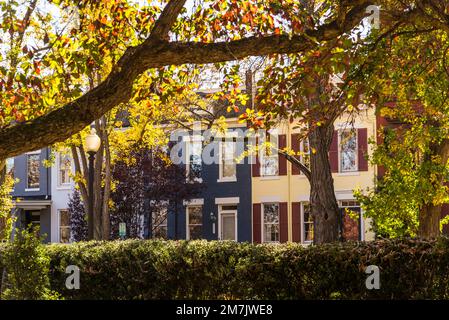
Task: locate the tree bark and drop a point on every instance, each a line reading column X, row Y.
column 105, row 219
column 323, row 204
column 429, row 221
column 98, row 192
column 430, row 214
column 62, row 123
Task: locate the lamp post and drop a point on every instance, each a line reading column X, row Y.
column 92, row 145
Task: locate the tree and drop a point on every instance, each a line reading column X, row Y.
column 78, row 217
column 46, row 122
column 147, row 187
column 411, row 88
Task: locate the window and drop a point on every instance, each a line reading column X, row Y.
column 228, row 222
column 269, row 164
column 348, row 151
column 228, row 167
column 33, row 171
column 10, row 167
column 194, row 222
column 159, row 223
column 271, row 222
column 64, row 226
column 64, row 170
column 305, row 153
column 351, row 220
column 194, row 161
column 307, row 222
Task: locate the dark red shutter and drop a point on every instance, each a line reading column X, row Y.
column 362, row 138
column 256, row 166
column 283, row 222
column 257, row 227
column 333, row 152
column 296, row 222
column 296, row 147
column 282, row 144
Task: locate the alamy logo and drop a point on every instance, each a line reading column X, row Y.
column 73, row 280
column 374, row 18
column 373, row 280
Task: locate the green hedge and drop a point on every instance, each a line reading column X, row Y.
column 133, row 269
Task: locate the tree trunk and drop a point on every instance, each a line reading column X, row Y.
column 429, row 221
column 430, row 214
column 105, row 219
column 98, row 194
column 323, row 204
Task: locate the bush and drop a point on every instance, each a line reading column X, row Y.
column 147, row 269
column 27, row 269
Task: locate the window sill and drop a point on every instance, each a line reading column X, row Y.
column 64, row 187
column 270, row 178
column 227, row 180
column 343, row 174
column 32, row 189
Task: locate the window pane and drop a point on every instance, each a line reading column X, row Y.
column 195, row 232
column 270, row 165
column 271, row 232
column 228, row 159
column 348, row 150
column 195, row 157
column 308, row 223
column 65, row 167
column 271, row 222
column 160, row 224
column 195, row 214
column 305, row 156
column 64, row 226
column 271, row 213
column 64, row 218
column 33, row 164
column 228, row 227
column 10, row 167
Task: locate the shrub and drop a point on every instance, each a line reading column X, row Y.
column 148, row 269
column 27, row 269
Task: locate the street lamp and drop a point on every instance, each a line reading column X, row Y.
column 92, row 144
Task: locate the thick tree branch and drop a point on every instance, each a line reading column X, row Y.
column 166, row 20
column 296, row 162
column 62, row 123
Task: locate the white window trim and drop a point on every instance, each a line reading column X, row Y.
column 59, row 185
column 352, row 172
column 59, row 225
column 228, row 201
column 263, row 155
column 220, row 157
column 34, row 152
column 32, row 189
column 220, row 213
column 188, row 218
column 263, row 222
column 193, row 202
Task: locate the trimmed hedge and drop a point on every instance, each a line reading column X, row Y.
column 138, row 269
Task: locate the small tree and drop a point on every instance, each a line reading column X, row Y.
column 77, row 213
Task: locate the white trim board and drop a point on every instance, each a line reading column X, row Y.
column 231, row 200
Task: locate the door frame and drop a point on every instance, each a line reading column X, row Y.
column 222, row 212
